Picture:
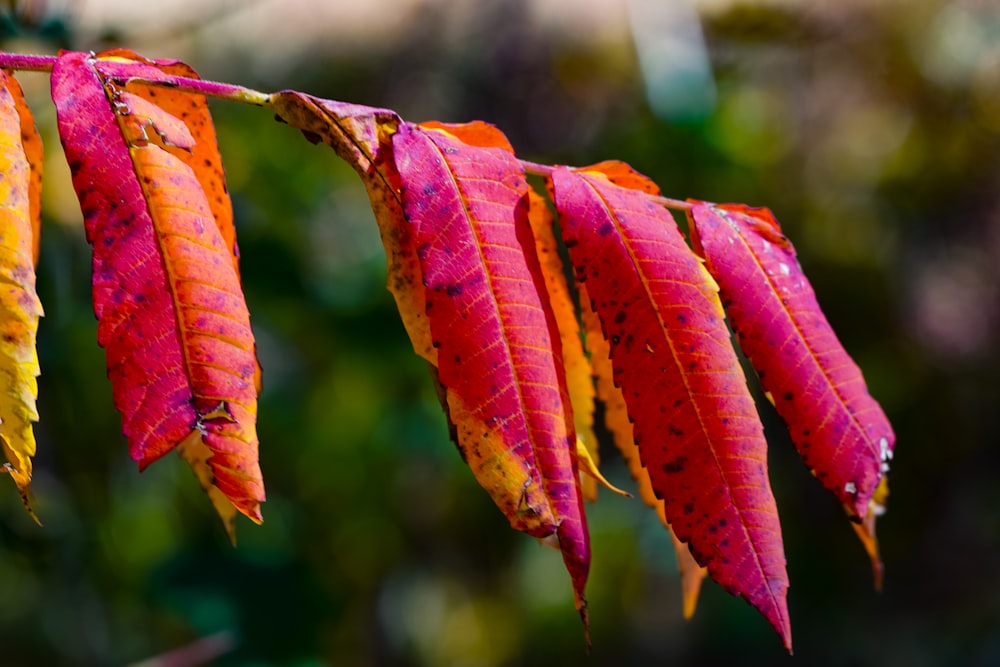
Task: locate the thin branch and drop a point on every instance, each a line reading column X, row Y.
column 24, row 61
column 667, row 202
column 228, row 91
column 234, row 93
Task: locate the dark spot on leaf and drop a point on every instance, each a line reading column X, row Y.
column 605, row 229
column 454, row 290
column 682, row 319
column 688, row 508
column 615, row 339
column 620, row 317
column 788, row 396
column 677, row 465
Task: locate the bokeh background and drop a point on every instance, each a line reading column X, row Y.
column 870, row 127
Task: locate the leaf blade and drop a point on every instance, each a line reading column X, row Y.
column 20, row 307
column 171, row 314
column 498, row 344
column 617, row 421
column 837, row 427
column 710, row 465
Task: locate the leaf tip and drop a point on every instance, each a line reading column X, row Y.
column 589, row 467
column 22, row 481
column 581, row 608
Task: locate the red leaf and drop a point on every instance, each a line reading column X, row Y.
column 170, row 310
column 498, row 346
column 695, row 422
column 616, row 420
column 838, row 428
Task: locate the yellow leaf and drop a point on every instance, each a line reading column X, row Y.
column 19, row 304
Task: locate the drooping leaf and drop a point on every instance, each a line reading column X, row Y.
column 616, row 420
column 19, row 304
column 616, row 414
column 695, row 422
column 366, row 138
column 171, row 314
column 579, row 381
column 361, row 136
column 499, row 354
column 838, row 428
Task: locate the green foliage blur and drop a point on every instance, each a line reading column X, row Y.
column 871, row 128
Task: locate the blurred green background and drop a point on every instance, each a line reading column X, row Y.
column 871, row 128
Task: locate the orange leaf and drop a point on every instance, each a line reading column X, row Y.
column 171, row 313
column 202, row 156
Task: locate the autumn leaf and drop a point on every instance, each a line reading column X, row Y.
column 498, row 435
column 617, row 422
column 171, row 314
column 695, row 423
column 616, row 417
column 579, row 380
column 499, row 354
column 839, row 430
column 19, row 304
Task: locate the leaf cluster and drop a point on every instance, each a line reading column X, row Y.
column 520, row 348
